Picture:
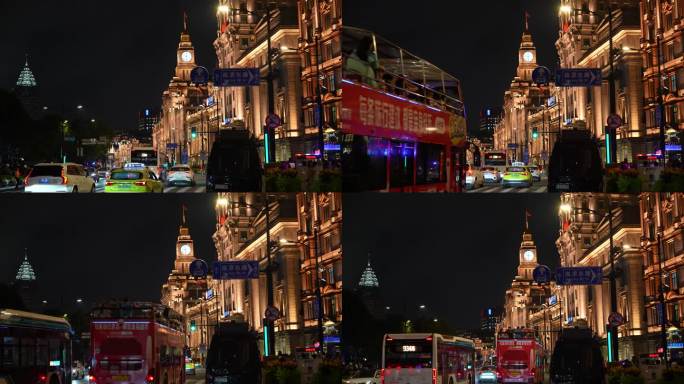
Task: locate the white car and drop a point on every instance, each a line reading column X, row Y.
column 364, row 380
column 491, row 175
column 56, row 177
column 474, row 178
column 535, row 172
column 180, row 174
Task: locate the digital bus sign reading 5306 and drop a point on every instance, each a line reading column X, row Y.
column 408, row 348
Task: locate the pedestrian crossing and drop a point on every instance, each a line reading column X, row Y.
column 498, row 188
column 187, row 189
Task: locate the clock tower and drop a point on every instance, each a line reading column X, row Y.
column 527, row 55
column 527, row 253
column 185, row 248
column 185, row 55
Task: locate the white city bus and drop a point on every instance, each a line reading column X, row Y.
column 427, row 358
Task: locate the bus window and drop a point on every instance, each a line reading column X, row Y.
column 28, row 356
column 365, row 163
column 430, row 167
column 10, row 352
column 402, row 156
column 120, row 347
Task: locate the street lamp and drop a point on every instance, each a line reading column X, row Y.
column 224, row 9
column 611, row 138
column 79, row 300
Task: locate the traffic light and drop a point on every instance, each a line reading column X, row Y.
column 535, row 133
column 193, row 133
column 193, row 326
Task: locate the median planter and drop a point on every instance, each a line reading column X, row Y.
column 671, row 180
column 623, row 181
column 281, row 371
column 624, row 375
column 329, row 372
column 328, row 181
column 278, row 180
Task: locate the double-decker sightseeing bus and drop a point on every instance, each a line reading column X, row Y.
column 34, row 348
column 403, row 121
column 519, row 357
column 427, row 358
column 136, row 342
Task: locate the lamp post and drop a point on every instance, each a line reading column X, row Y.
column 611, row 138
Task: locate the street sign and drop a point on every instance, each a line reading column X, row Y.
column 578, row 77
column 91, row 141
column 199, row 268
column 171, row 146
column 235, row 270
column 614, row 121
column 615, row 319
column 273, row 121
column 272, row 313
column 331, row 340
column 579, row 276
column 236, row 77
column 541, row 75
column 542, row 274
column 512, row 146
column 199, row 75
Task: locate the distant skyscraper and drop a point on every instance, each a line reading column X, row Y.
column 368, row 278
column 489, row 118
column 146, row 121
column 489, row 318
column 369, row 291
column 25, row 281
column 26, row 90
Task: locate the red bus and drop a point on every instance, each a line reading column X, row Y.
column 520, row 357
column 404, row 129
column 427, row 358
column 34, row 348
column 136, row 342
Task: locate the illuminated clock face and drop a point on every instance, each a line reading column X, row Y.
column 528, row 56
column 186, row 56
column 528, row 255
column 185, row 249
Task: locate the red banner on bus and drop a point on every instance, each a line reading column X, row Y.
column 370, row 112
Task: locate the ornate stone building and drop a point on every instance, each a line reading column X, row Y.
column 523, row 97
column 584, row 240
column 524, row 296
column 172, row 135
column 242, row 42
column 584, row 43
column 241, row 235
column 661, row 23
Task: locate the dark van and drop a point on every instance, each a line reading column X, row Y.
column 234, row 163
column 577, row 358
column 575, row 164
column 233, row 356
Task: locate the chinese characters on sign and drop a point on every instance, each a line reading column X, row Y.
column 236, row 77
column 579, row 276
column 578, row 77
column 377, row 113
column 228, row 270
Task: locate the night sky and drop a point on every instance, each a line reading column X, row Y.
column 476, row 41
column 95, row 248
column 113, row 57
column 455, row 254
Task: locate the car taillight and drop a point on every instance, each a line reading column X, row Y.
column 382, row 376
column 64, row 178
column 149, row 378
column 42, row 378
column 140, row 183
column 92, row 379
column 109, row 183
column 434, row 375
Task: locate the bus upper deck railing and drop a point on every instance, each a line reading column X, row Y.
column 399, row 73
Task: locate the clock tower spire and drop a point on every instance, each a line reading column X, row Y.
column 528, row 252
column 527, row 54
column 185, row 247
column 185, row 55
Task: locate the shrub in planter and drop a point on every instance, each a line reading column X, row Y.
column 328, row 181
column 671, row 180
column 329, row 372
column 281, row 371
column 623, row 180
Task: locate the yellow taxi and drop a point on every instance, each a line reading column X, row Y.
column 517, row 175
column 133, row 178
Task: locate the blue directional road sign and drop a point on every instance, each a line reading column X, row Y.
column 235, row 270
column 541, row 75
column 578, row 77
column 542, row 274
column 579, row 276
column 199, row 268
column 171, row 146
column 236, row 77
column 199, row 75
